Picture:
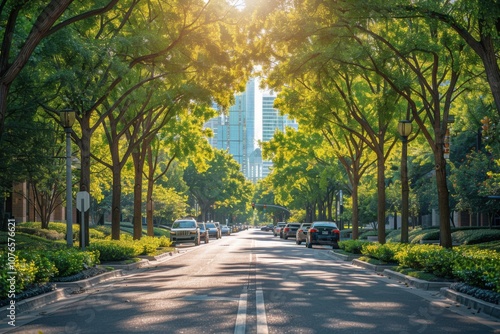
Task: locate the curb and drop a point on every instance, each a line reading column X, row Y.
column 344, row 257
column 91, row 281
column 474, row 303
column 415, row 282
column 63, row 290
column 379, row 268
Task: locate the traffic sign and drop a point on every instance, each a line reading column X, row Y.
column 82, row 201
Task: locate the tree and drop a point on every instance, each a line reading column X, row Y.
column 20, row 39
column 220, row 183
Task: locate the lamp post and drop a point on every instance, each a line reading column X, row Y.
column 67, row 120
column 404, row 129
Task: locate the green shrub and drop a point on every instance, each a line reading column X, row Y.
column 96, row 234
column 369, row 233
column 475, row 236
column 351, row 246
column 72, row 261
column 45, row 269
column 116, row 250
column 148, row 244
column 478, row 267
column 106, row 230
column 25, row 274
column 165, row 241
column 47, row 234
column 383, row 252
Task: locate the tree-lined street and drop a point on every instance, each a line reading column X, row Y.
column 252, row 282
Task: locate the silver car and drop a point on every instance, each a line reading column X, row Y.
column 301, row 234
column 185, row 230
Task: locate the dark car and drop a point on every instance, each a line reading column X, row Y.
column 213, row 230
column 301, row 234
column 323, row 233
column 267, row 227
column 290, row 230
column 204, row 236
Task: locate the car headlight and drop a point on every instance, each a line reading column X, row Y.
column 172, row 233
column 193, row 232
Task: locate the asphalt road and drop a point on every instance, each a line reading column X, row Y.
column 252, row 282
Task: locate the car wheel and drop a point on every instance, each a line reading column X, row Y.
column 197, row 241
column 309, row 245
column 298, row 242
column 275, row 234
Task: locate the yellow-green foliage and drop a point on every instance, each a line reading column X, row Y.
column 39, row 267
column 352, row 246
column 478, row 267
column 116, row 250
column 383, row 252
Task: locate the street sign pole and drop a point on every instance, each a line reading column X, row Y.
column 82, row 204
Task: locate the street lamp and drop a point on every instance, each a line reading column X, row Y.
column 404, row 129
column 67, row 119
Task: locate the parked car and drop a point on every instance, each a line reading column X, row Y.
column 203, row 232
column 323, row 233
column 225, row 230
column 290, row 230
column 268, row 227
column 302, row 233
column 185, row 230
column 278, row 229
column 213, row 231
column 219, row 228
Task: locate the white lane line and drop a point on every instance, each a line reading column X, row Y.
column 241, row 318
column 261, row 312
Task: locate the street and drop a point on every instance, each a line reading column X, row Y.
column 253, row 282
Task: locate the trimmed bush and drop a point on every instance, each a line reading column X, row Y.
column 385, row 252
column 71, row 261
column 352, row 246
column 475, row 236
column 116, row 250
column 47, row 234
column 480, row 268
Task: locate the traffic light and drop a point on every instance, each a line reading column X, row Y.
column 253, row 206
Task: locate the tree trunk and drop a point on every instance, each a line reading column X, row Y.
column 381, row 199
column 116, row 204
column 138, row 168
column 355, row 211
column 443, row 199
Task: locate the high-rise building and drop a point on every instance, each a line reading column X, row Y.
column 251, row 120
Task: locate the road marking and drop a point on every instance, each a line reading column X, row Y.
column 241, row 318
column 261, row 312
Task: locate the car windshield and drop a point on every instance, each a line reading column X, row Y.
column 184, row 224
column 325, row 225
column 210, row 225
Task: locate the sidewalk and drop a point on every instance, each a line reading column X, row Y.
column 443, row 287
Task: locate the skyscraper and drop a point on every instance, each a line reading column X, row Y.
column 251, row 120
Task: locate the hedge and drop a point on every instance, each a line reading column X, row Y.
column 473, row 266
column 32, row 267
